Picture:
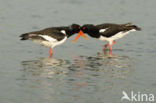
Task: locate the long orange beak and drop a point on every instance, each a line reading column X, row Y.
column 80, row 34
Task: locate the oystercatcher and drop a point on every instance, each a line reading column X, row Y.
column 51, row 37
column 109, row 32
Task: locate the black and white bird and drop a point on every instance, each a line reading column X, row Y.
column 109, row 32
column 51, row 37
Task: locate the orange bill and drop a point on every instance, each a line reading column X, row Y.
column 80, row 34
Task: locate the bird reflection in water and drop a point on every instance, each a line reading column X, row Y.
column 81, row 64
column 94, row 73
column 45, row 67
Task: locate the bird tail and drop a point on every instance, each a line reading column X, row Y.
column 135, row 27
column 24, row 36
column 127, row 24
column 131, row 26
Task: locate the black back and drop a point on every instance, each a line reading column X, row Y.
column 54, row 32
column 111, row 29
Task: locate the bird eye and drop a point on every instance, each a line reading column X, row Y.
column 79, row 27
column 84, row 28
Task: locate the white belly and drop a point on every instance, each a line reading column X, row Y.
column 53, row 44
column 50, row 43
column 115, row 37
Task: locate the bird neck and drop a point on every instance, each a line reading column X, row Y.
column 69, row 32
column 94, row 33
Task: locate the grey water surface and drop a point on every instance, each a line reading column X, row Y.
column 79, row 72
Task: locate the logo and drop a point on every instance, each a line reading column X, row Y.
column 137, row 96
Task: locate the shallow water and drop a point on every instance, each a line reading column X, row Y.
column 79, row 72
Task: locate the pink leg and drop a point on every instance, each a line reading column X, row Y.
column 51, row 53
column 110, row 50
column 105, row 46
column 114, row 42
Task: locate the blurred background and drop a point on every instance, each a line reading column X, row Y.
column 79, row 72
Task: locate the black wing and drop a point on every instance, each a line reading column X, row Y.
column 111, row 31
column 106, row 25
column 54, row 33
